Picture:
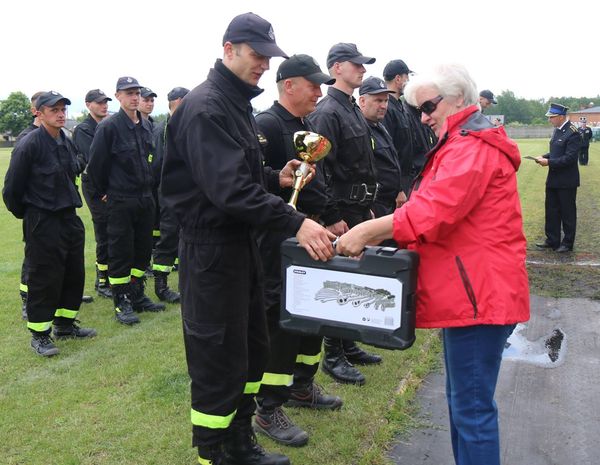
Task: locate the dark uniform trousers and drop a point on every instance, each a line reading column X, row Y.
column 99, row 219
column 561, row 211
column 226, row 338
column 130, row 221
column 294, row 358
column 54, row 244
column 165, row 251
column 584, row 155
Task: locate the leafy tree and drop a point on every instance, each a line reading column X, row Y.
column 84, row 114
column 15, row 114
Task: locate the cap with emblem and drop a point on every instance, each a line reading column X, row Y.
column 303, row 66
column 394, row 68
column 347, row 52
column 177, row 92
column 255, row 31
column 556, row 109
column 49, row 99
column 488, row 94
column 127, row 82
column 147, row 92
column 372, row 86
column 96, row 95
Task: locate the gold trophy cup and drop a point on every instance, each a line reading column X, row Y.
column 310, row 147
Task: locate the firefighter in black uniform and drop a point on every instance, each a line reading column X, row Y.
column 586, row 136
column 34, row 125
column 40, row 188
column 351, row 177
column 373, row 103
column 289, row 375
column 121, row 171
column 214, row 180
column 562, row 181
column 165, row 252
column 97, row 104
column 397, row 118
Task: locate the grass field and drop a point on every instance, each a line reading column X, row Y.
column 123, row 397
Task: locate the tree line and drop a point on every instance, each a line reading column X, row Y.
column 16, row 116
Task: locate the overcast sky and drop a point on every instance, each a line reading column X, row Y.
column 72, row 46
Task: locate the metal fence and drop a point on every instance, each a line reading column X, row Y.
column 529, row 132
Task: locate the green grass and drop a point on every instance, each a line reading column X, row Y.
column 123, row 397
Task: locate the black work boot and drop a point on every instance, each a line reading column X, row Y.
column 357, row 356
column 42, row 344
column 162, row 289
column 277, row 425
column 312, row 396
column 139, row 300
column 211, row 455
column 241, row 447
column 72, row 331
column 24, row 305
column 335, row 363
column 123, row 310
column 102, row 285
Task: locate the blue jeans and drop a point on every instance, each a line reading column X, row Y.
column 472, row 356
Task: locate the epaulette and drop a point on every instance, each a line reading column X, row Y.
column 573, row 128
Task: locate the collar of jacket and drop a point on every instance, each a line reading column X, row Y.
column 130, row 124
column 453, row 121
column 342, row 97
column 283, row 112
column 237, row 90
column 49, row 139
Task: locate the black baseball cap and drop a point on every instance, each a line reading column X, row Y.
column 488, row 95
column 255, row 31
column 96, row 95
column 372, row 86
column 347, row 52
column 127, row 82
column 147, row 92
column 305, row 66
column 49, row 99
column 394, row 68
column 177, row 92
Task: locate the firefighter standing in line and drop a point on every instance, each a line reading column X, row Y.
column 121, row 171
column 351, row 176
column 40, row 188
column 165, row 252
column 214, row 180
column 97, row 103
column 289, row 375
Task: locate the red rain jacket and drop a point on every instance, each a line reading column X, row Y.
column 464, row 219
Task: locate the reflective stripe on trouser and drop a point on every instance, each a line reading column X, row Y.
column 225, row 333
column 294, row 361
column 129, row 235
column 54, row 244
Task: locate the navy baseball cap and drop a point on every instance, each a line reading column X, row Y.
column 96, row 95
column 147, row 92
column 347, row 52
column 372, row 86
column 394, row 68
column 488, row 94
column 177, row 92
column 556, row 109
column 255, row 31
column 49, row 99
column 303, row 66
column 127, row 82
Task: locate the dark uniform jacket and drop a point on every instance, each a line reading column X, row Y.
column 565, row 144
column 213, row 175
column 83, row 135
column 121, row 162
column 397, row 122
column 24, row 132
column 389, row 171
column 42, row 174
column 350, row 166
column 586, row 136
column 278, row 126
column 423, row 139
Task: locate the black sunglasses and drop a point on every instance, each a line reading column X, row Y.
column 429, row 106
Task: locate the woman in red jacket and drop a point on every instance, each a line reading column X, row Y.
column 464, row 219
